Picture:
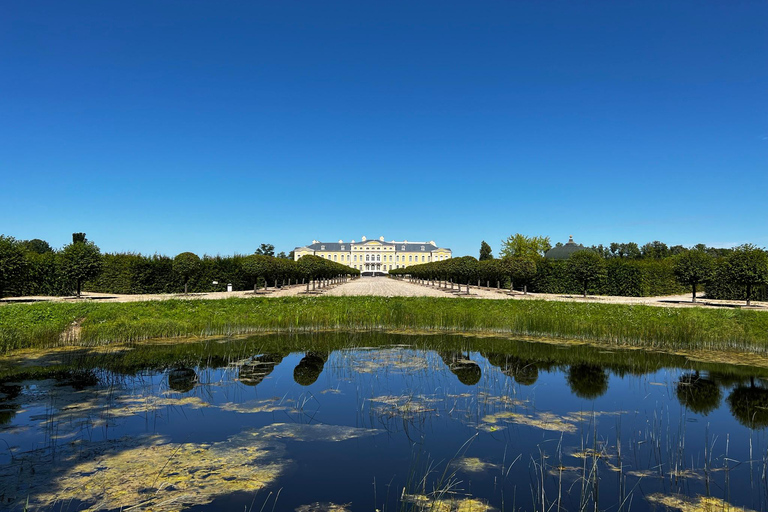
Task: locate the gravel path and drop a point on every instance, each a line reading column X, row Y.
column 386, row 287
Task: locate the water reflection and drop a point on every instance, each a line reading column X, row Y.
column 523, row 372
column 429, row 394
column 749, row 405
column 463, row 367
column 309, row 368
column 697, row 393
column 8, row 404
column 182, row 380
column 253, row 372
column 587, row 381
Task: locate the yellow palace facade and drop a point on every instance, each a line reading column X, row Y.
column 378, row 256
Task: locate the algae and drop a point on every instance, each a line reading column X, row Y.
column 324, row 507
column 145, row 473
column 312, row 433
column 453, row 504
column 697, row 504
column 473, row 465
column 542, row 420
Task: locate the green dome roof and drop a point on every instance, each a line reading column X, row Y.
column 564, row 251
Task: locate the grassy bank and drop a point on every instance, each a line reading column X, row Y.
column 44, row 324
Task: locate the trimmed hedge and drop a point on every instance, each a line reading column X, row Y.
column 629, row 278
column 723, row 286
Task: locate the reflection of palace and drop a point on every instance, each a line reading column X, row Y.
column 375, row 255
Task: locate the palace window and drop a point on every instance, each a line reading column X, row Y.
column 322, row 247
column 410, row 258
column 402, row 247
column 335, row 258
column 422, row 247
column 342, row 247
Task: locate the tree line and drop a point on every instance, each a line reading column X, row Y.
column 33, row 267
column 740, row 273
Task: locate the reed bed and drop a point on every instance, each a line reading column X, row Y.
column 51, row 324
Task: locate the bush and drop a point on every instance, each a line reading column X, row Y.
column 625, row 277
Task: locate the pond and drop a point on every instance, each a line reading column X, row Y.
column 379, row 421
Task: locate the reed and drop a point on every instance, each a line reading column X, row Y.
column 51, row 324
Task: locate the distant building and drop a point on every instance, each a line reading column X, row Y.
column 563, row 252
column 375, row 255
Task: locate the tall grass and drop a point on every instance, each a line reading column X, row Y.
column 101, row 323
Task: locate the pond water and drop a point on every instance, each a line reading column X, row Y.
column 377, row 421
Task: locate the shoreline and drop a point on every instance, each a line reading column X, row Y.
column 57, row 324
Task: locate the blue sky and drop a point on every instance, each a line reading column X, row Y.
column 167, row 126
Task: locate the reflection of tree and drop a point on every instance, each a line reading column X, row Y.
column 257, row 369
column 80, row 379
column 523, row 371
column 587, row 381
column 182, row 379
column 8, row 404
column 309, row 368
column 727, row 379
column 465, row 369
column 749, row 405
column 698, row 394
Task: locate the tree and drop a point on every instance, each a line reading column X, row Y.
column 523, row 246
column 485, row 251
column 81, row 260
column 604, row 252
column 693, row 268
column 586, row 267
column 656, row 250
column 37, row 246
column 266, row 250
column 748, row 266
column 13, row 265
column 258, row 266
column 186, row 265
column 283, row 256
column 519, row 269
column 628, row 250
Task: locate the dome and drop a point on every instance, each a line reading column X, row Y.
column 564, row 251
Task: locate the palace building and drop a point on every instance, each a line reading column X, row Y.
column 375, row 256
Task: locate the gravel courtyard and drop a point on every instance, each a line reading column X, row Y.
column 386, row 287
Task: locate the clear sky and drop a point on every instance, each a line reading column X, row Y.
column 213, row 126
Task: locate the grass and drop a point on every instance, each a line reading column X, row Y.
column 43, row 325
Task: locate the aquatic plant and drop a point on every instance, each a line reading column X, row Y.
column 42, row 325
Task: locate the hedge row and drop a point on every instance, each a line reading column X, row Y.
column 628, row 278
column 631, row 278
column 723, row 286
column 135, row 273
